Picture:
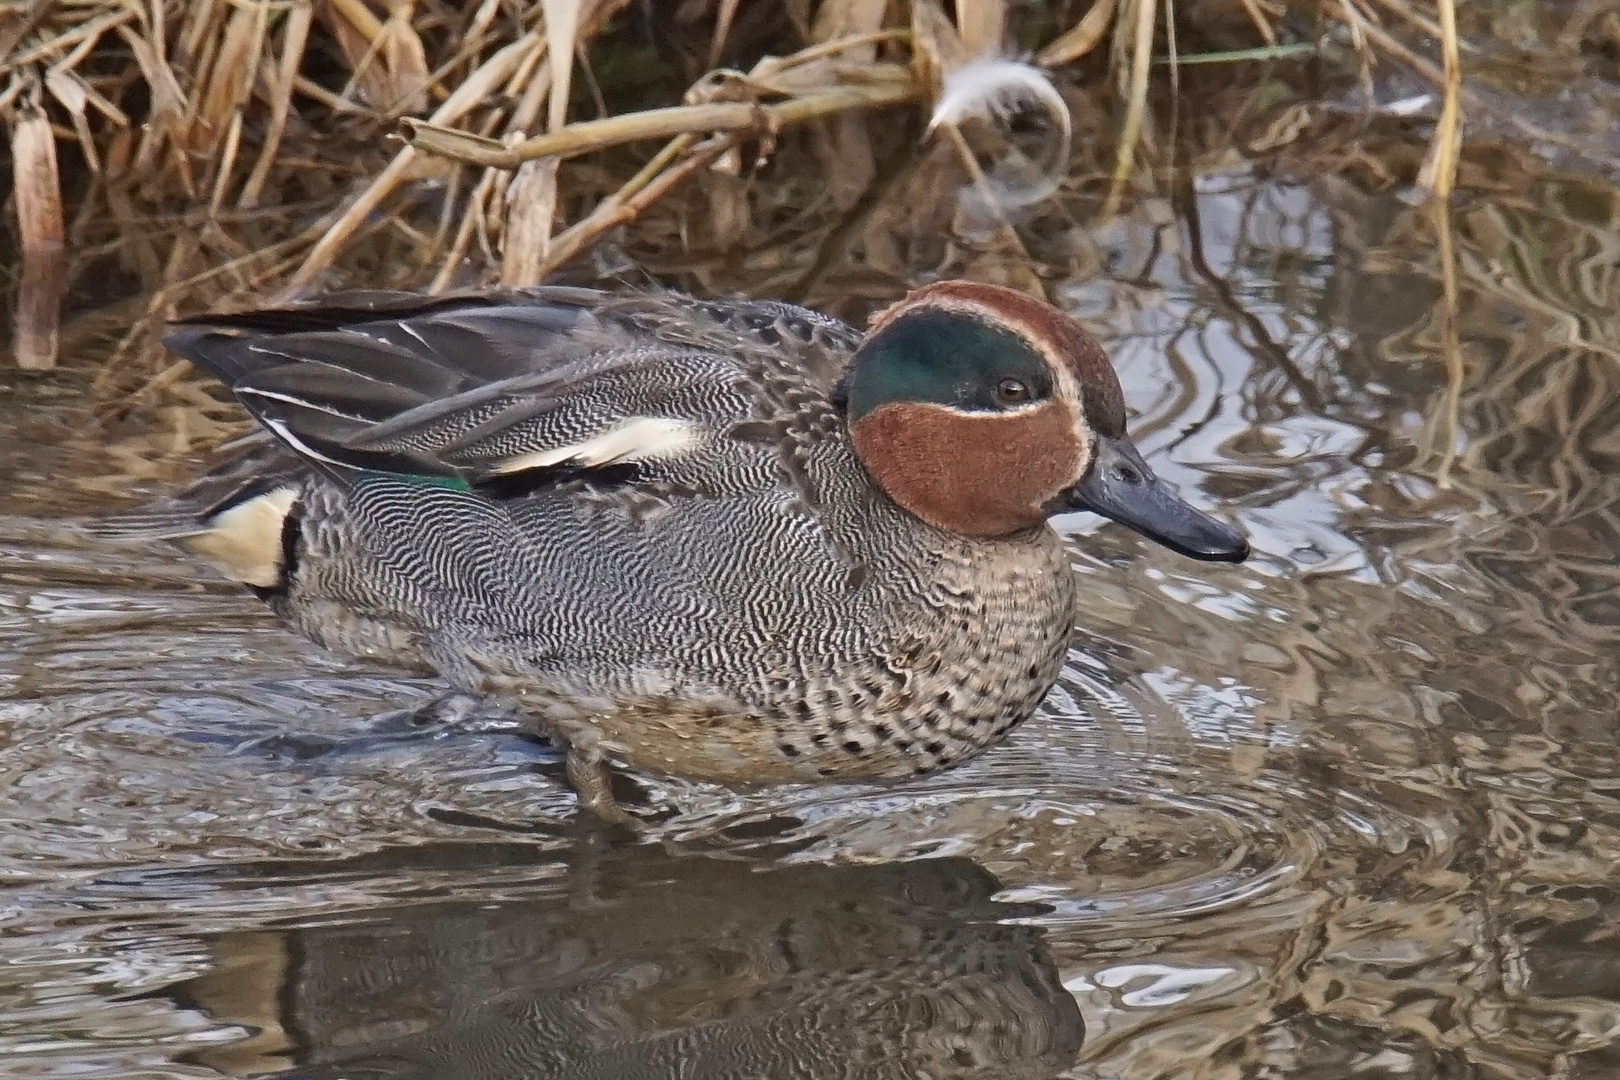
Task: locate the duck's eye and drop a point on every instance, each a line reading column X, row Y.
column 1012, row 392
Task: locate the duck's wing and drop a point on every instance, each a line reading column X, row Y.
column 519, row 387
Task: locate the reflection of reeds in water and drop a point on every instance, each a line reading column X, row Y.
column 1455, row 660
column 225, row 150
column 1537, row 399
column 1501, row 339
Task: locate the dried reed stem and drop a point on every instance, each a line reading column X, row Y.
column 1130, row 132
column 1081, row 38
column 646, row 188
column 38, row 197
column 1438, row 177
column 591, row 135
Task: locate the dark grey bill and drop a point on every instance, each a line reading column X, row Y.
column 1121, row 487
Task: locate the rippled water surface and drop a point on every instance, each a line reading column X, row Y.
column 1349, row 810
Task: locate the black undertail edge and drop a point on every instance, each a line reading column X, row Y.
column 292, row 532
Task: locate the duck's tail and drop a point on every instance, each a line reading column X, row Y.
column 235, row 516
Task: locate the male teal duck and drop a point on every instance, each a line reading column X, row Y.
column 728, row 540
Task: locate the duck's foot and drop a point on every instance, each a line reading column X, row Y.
column 453, row 714
column 592, row 782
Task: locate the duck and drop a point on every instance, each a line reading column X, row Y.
column 733, row 541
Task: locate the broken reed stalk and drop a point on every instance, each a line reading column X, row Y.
column 38, row 196
column 713, row 117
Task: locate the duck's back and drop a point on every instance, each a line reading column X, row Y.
column 640, row 513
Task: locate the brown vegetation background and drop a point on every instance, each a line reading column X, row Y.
column 169, row 156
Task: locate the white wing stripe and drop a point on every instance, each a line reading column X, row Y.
column 304, row 403
column 638, row 438
column 301, row 447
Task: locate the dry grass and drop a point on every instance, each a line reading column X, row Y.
column 169, row 156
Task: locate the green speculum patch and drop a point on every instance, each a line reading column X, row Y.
column 943, row 358
column 449, row 483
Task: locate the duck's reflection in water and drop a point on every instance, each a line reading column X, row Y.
column 635, row 963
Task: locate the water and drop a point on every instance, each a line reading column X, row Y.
column 1351, row 809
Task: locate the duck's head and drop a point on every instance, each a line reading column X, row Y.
column 984, row 412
